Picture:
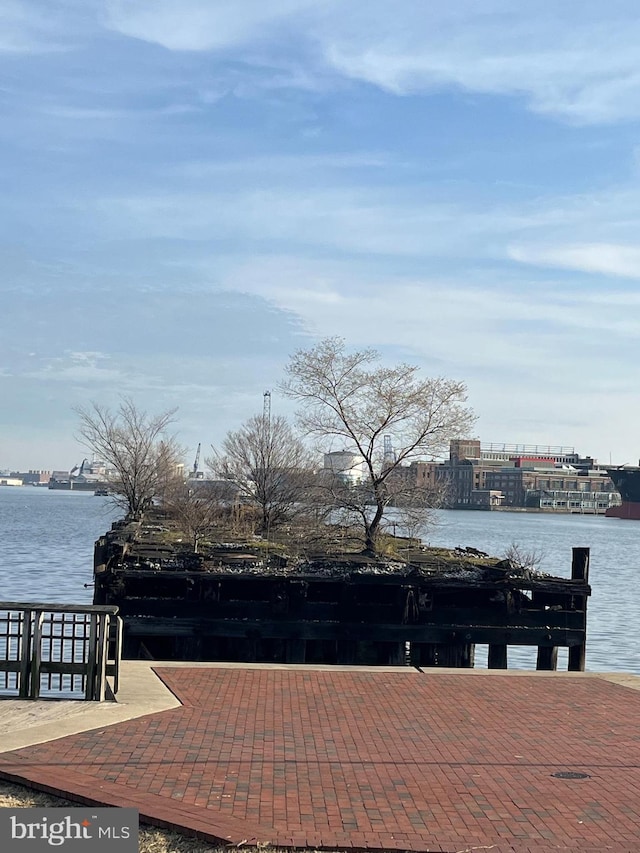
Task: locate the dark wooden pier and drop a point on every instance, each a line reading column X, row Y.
column 430, row 610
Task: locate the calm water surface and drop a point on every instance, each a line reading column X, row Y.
column 46, row 543
column 46, row 554
column 613, row 622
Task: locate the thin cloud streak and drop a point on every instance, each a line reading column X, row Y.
column 198, row 25
column 600, row 258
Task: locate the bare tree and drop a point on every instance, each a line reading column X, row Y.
column 134, row 447
column 196, row 508
column 351, row 398
column 268, row 464
column 524, row 559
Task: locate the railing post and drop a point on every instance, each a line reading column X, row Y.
column 89, row 687
column 116, row 623
column 101, row 657
column 24, row 654
column 36, row 655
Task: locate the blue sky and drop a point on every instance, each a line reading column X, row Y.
column 192, row 190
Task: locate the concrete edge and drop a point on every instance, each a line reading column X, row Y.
column 141, row 692
column 624, row 679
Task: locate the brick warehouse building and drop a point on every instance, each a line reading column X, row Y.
column 478, row 476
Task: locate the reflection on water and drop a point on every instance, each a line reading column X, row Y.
column 46, row 554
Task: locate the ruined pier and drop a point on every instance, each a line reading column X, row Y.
column 429, row 609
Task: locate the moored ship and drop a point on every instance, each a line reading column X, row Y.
column 627, row 481
column 85, row 478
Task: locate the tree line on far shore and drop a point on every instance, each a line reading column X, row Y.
column 346, row 399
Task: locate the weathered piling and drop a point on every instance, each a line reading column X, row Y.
column 580, row 573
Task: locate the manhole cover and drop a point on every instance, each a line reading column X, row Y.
column 571, row 774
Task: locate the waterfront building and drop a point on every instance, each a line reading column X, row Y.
column 32, row 478
column 489, row 476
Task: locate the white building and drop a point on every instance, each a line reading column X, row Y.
column 347, row 465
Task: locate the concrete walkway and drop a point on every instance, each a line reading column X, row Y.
column 343, row 757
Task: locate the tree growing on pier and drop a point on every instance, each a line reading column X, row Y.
column 197, row 509
column 269, row 466
column 135, row 447
column 352, row 399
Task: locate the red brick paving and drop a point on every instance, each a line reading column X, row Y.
column 407, row 761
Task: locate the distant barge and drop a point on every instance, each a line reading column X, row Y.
column 430, row 610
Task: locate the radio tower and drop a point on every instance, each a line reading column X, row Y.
column 266, row 407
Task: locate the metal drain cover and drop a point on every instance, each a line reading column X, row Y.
column 571, row 774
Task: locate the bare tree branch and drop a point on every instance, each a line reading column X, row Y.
column 350, row 397
column 269, row 465
column 196, row 508
column 133, row 445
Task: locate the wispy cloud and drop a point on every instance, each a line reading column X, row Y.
column 77, row 368
column 357, row 219
column 515, row 346
column 134, row 115
column 199, row 24
column 277, row 166
column 34, row 26
column 602, row 258
column 332, row 299
column 580, row 67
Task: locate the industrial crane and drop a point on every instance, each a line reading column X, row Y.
column 194, row 473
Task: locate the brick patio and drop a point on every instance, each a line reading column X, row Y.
column 384, row 760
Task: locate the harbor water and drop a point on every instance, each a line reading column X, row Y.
column 46, row 555
column 46, row 543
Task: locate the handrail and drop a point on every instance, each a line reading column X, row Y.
column 59, row 650
column 59, row 608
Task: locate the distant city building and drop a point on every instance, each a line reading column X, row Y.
column 10, row 481
column 488, row 476
column 32, row 478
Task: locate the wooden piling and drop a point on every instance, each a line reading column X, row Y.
column 460, row 655
column 497, row 656
column 579, row 571
column 395, row 653
column 347, row 650
column 423, row 654
column 547, row 658
column 296, row 651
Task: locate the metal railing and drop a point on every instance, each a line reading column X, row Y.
column 59, row 651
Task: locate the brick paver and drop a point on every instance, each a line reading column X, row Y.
column 406, row 761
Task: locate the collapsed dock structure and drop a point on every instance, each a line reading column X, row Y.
column 430, row 608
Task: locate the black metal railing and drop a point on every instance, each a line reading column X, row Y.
column 59, row 651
